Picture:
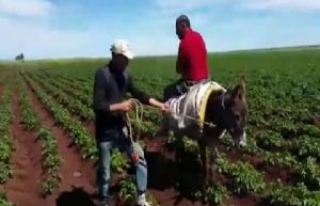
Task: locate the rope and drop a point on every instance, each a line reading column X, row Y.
column 138, row 110
column 138, row 118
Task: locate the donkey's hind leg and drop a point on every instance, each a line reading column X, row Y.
column 204, row 159
column 212, row 146
column 205, row 163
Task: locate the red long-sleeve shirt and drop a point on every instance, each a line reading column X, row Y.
column 192, row 57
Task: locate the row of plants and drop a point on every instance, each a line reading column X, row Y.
column 120, row 162
column 71, row 98
column 305, row 171
column 6, row 141
column 119, row 165
column 68, row 89
column 62, row 117
column 76, row 84
column 276, row 135
column 74, row 105
column 271, row 157
column 245, row 180
column 51, row 159
column 4, row 200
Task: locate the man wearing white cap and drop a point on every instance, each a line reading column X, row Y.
column 110, row 85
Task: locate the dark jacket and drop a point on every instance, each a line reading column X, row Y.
column 109, row 90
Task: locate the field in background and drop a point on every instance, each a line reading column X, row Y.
column 51, row 101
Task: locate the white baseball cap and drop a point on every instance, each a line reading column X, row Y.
column 121, row 46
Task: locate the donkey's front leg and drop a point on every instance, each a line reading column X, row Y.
column 212, row 157
column 212, row 146
column 204, row 160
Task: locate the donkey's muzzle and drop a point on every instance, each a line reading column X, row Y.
column 239, row 136
column 241, row 140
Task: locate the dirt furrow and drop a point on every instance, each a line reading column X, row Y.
column 87, row 124
column 76, row 173
column 24, row 187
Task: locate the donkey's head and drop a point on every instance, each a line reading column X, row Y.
column 235, row 112
column 228, row 111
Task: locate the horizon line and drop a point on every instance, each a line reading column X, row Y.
column 311, row 46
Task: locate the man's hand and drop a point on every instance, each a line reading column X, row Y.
column 127, row 105
column 164, row 108
column 124, row 106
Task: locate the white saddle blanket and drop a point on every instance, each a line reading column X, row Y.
column 189, row 109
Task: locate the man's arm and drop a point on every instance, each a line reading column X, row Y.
column 101, row 101
column 178, row 62
column 141, row 96
column 181, row 59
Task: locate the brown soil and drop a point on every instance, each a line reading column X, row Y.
column 88, row 125
column 250, row 200
column 72, row 163
column 26, row 163
column 169, row 196
column 271, row 173
column 163, row 172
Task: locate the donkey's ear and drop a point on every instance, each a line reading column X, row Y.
column 239, row 91
column 242, row 83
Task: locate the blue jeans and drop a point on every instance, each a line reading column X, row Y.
column 122, row 142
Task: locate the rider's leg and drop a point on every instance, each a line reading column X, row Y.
column 172, row 90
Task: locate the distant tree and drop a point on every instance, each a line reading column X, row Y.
column 20, row 57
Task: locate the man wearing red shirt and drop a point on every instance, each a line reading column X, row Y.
column 192, row 62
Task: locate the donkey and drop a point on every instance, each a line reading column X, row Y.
column 227, row 110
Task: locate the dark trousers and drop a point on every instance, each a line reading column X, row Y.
column 178, row 88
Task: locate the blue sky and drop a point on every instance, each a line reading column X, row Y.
column 86, row 28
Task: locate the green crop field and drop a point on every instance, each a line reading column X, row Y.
column 51, row 101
